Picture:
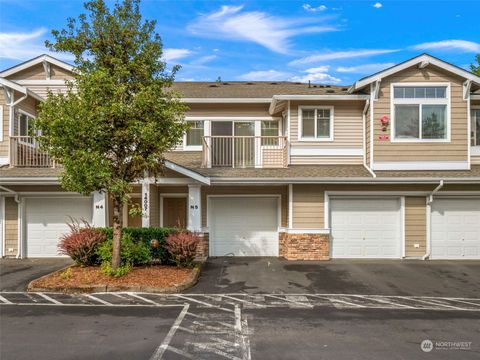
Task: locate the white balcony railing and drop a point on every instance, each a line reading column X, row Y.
column 245, row 151
column 25, row 152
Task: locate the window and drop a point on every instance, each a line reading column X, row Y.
column 475, row 128
column 270, row 128
column 25, row 128
column 420, row 113
column 194, row 133
column 316, row 123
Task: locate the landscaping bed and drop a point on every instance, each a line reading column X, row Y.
column 156, row 278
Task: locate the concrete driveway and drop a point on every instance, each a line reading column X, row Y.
column 15, row 274
column 369, row 277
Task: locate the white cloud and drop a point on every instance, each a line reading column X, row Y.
column 171, row 54
column 265, row 75
column 272, row 32
column 203, row 60
column 22, row 46
column 462, row 45
column 310, row 8
column 316, row 75
column 365, row 68
column 335, row 55
column 377, row 5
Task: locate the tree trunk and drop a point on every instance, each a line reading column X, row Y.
column 117, row 232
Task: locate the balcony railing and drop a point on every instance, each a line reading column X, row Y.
column 25, row 152
column 245, row 151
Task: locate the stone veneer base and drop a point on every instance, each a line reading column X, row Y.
column 304, row 246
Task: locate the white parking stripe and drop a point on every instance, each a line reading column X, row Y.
column 244, row 301
column 143, row 299
column 180, row 352
column 157, row 355
column 46, row 297
column 2, row 299
column 436, row 303
column 466, row 302
column 298, row 300
column 201, row 302
column 101, row 301
column 385, row 301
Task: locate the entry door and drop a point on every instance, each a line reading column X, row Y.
column 366, row 228
column 175, row 212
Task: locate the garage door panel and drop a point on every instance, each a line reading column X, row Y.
column 365, row 227
column 46, row 222
column 455, row 229
column 246, row 226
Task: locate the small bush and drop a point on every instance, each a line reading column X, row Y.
column 81, row 243
column 131, row 253
column 121, row 271
column 182, row 248
column 146, row 235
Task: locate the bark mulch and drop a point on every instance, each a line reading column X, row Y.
column 155, row 277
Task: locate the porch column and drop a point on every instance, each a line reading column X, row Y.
column 99, row 209
column 194, row 222
column 145, row 203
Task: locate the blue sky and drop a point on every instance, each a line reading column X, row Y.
column 334, row 42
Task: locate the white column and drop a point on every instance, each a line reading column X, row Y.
column 145, row 203
column 100, row 209
column 194, row 222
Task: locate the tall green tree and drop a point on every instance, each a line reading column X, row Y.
column 119, row 116
column 476, row 68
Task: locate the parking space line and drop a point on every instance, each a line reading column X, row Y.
column 180, row 352
column 290, row 298
column 2, row 299
column 104, row 302
column 436, row 303
column 46, row 297
column 466, row 302
column 142, row 298
column 201, row 302
column 384, row 301
column 157, row 355
column 243, row 301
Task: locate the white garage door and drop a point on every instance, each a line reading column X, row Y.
column 369, row 228
column 455, row 229
column 246, row 226
column 46, row 222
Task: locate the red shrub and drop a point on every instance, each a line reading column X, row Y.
column 81, row 243
column 182, row 247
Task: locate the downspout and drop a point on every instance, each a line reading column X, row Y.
column 364, row 119
column 429, row 232
column 17, row 200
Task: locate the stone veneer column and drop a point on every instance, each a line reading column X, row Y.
column 304, row 246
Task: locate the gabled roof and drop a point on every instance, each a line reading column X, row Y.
column 37, row 60
column 22, row 89
column 423, row 60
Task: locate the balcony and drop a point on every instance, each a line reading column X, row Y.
column 245, row 151
column 25, row 152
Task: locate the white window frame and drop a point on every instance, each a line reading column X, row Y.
column 474, row 150
column 194, row 147
column 300, row 123
column 425, row 101
column 34, row 142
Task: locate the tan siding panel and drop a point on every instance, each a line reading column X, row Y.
column 11, row 226
column 456, row 150
column 246, row 190
column 227, row 110
column 308, row 207
column 6, row 111
column 415, row 226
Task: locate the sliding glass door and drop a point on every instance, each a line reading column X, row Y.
column 233, row 143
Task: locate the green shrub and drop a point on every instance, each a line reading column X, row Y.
column 146, row 235
column 182, row 247
column 132, row 253
column 121, row 271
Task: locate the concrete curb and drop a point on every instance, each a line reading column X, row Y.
column 192, row 280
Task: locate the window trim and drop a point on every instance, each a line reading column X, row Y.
column 474, row 150
column 300, row 123
column 31, row 117
column 420, row 101
column 194, row 147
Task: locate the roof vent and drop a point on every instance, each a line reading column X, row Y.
column 344, row 89
column 249, row 83
column 315, row 85
column 273, row 83
column 327, row 86
column 330, row 91
column 213, row 85
column 298, row 83
column 225, row 83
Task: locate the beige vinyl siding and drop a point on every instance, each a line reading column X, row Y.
column 308, row 207
column 415, row 226
column 4, row 143
column 247, row 190
column 347, row 132
column 475, row 160
column 37, row 72
column 455, row 150
column 228, row 110
column 11, row 226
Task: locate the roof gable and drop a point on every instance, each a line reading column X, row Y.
column 42, row 59
column 422, row 61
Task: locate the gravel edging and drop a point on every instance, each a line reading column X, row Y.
column 192, row 280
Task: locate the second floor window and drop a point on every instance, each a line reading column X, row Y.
column 270, row 128
column 316, row 123
column 195, row 133
column 420, row 113
column 475, row 127
column 25, row 128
